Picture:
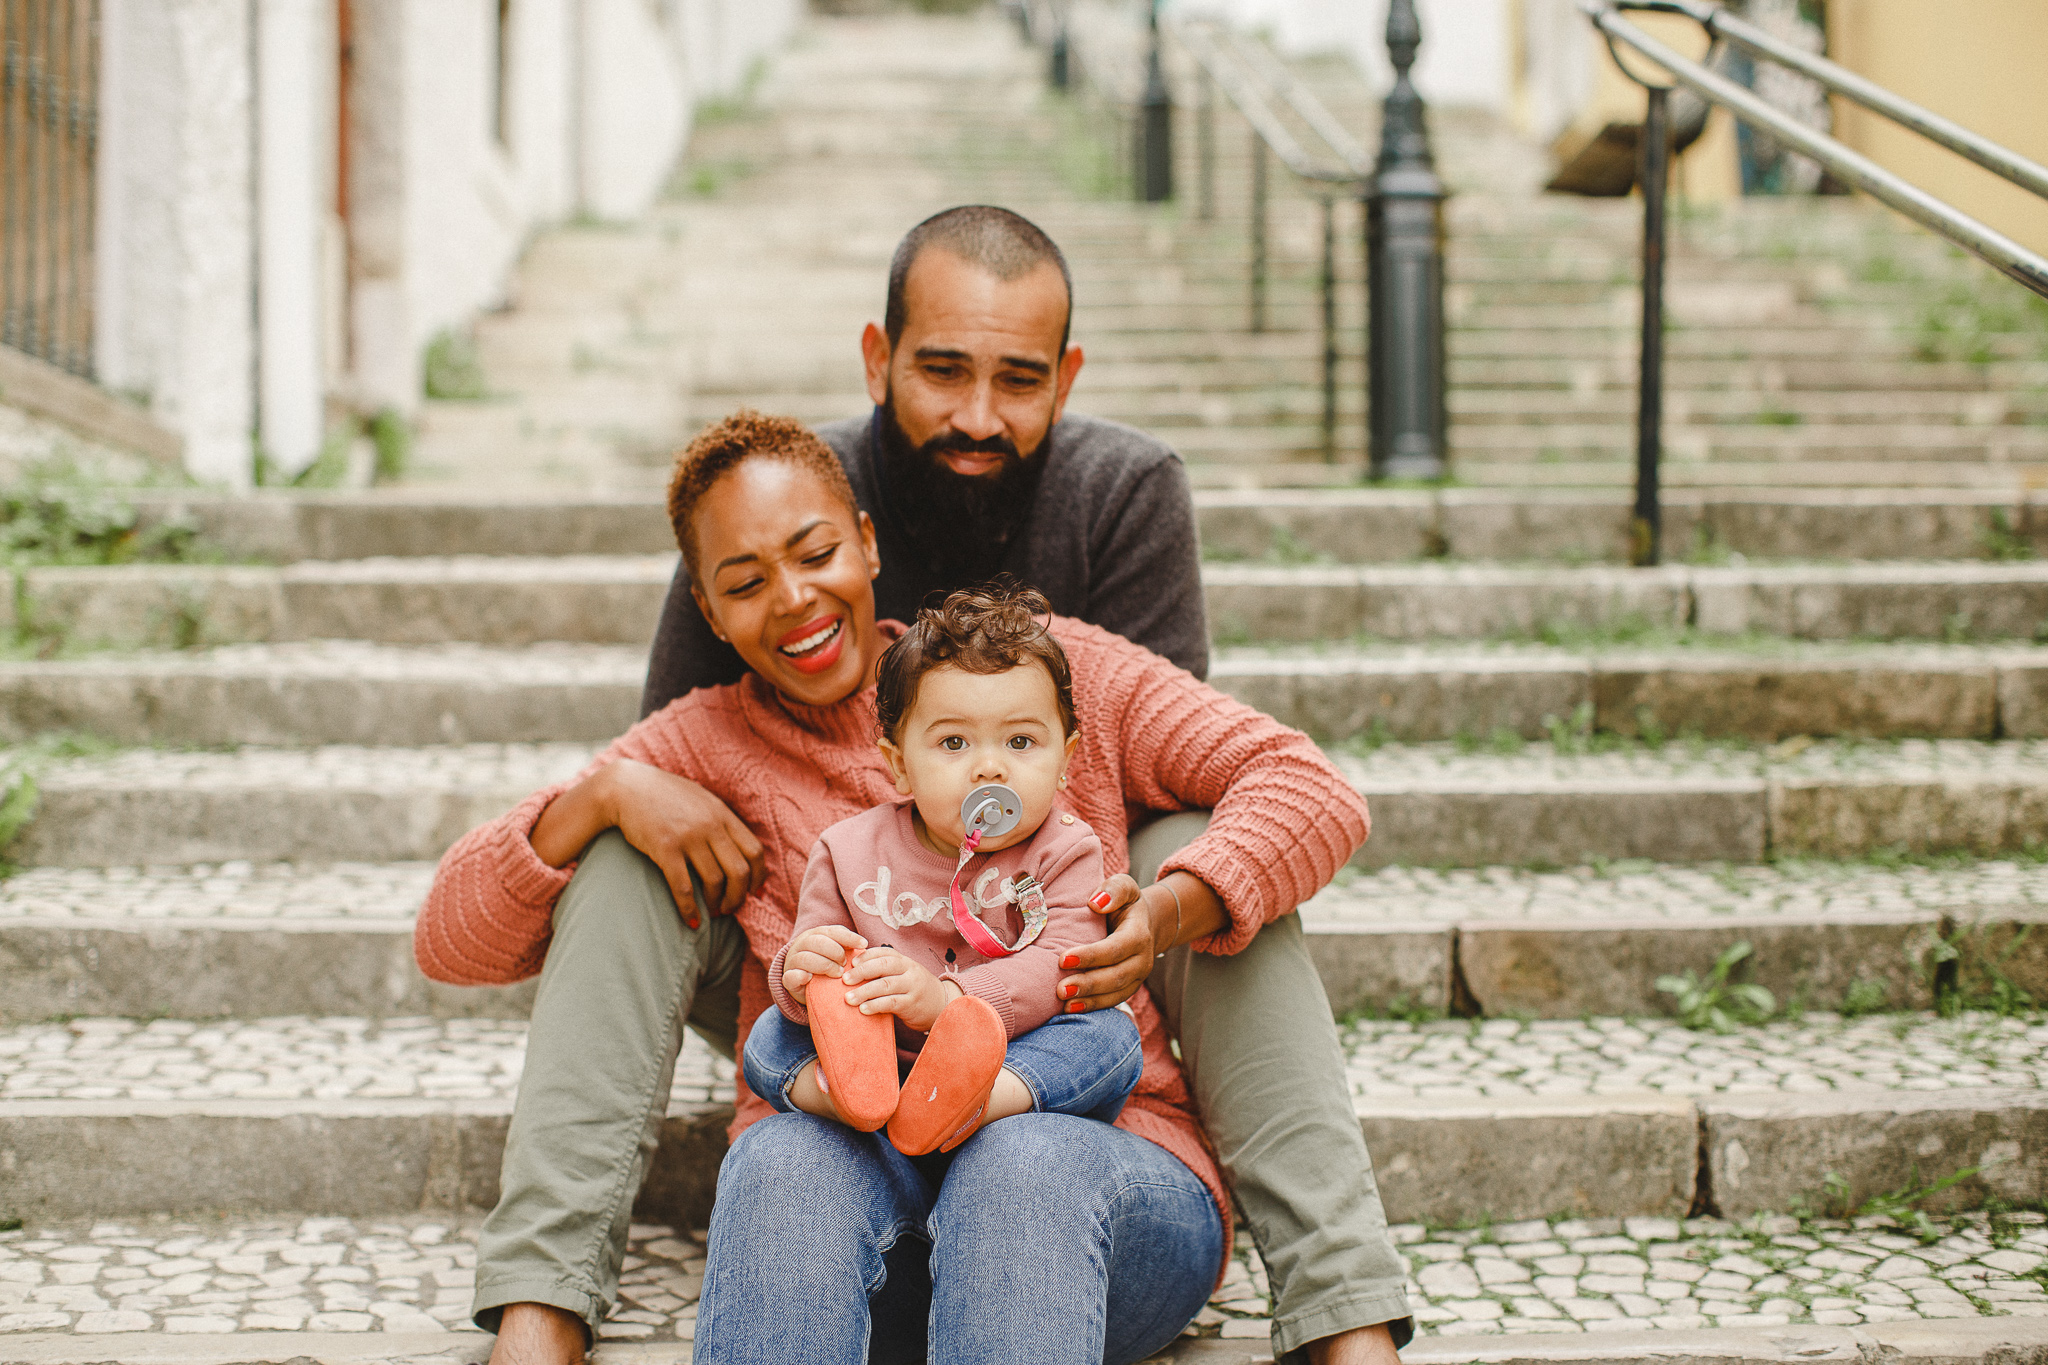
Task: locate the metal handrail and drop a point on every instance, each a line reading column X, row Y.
column 1302, row 101
column 1252, row 79
column 1868, row 93
column 2009, row 257
column 1224, row 65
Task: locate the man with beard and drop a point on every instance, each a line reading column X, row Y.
column 969, row 466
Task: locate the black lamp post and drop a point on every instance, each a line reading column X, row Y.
column 1404, row 247
column 1155, row 126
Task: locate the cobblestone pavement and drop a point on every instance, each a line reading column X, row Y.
column 454, row 767
column 1667, row 644
column 236, row 890
column 470, row 1059
column 297, row 1059
column 1501, row 1057
column 394, row 891
column 414, row 1275
column 1638, row 888
column 545, row 661
column 1394, row 767
column 1389, row 768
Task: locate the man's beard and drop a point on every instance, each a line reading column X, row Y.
column 962, row 524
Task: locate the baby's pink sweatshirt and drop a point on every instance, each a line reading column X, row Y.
column 873, row 875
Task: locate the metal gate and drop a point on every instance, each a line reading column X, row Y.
column 49, row 106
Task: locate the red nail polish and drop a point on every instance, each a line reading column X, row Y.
column 1100, row 901
column 1069, row 962
column 1069, row 989
column 1074, row 1008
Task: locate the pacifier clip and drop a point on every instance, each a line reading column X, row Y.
column 991, row 811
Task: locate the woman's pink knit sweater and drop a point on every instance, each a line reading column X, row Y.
column 1153, row 737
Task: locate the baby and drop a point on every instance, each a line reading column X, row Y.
column 929, row 932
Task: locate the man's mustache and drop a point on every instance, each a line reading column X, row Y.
column 957, row 443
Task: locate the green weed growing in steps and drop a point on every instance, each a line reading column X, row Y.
column 56, row 513
column 2001, row 541
column 1715, row 1002
column 20, row 792
column 451, row 371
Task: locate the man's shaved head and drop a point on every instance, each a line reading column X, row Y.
column 1006, row 245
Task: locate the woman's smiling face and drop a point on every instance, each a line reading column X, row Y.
column 785, row 576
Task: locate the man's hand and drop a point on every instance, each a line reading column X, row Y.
column 884, row 981
column 682, row 826
column 823, row 951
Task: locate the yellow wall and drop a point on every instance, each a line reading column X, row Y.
column 1709, row 169
column 1983, row 63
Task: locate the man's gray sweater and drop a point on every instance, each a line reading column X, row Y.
column 1110, row 539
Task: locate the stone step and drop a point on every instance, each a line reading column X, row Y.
column 617, row 600
column 248, row 940
column 1351, row 525
column 1435, row 804
column 1610, row 1117
column 1443, row 601
column 1766, row 693
column 1618, row 471
column 1464, row 806
column 350, row 692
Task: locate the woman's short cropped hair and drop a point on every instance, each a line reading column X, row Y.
column 990, row 629
column 726, row 445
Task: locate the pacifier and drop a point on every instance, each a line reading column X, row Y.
column 989, row 812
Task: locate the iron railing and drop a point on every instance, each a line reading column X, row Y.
column 2027, row 267
column 49, row 108
column 1260, row 88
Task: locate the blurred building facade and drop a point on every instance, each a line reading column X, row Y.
column 1538, row 63
column 289, row 198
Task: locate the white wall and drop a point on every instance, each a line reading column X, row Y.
column 175, row 301
column 1467, row 45
column 295, row 143
column 637, row 99
column 227, row 295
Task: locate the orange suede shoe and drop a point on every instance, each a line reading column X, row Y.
column 856, row 1055
column 947, row 1091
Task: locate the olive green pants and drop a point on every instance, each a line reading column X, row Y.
column 624, row 976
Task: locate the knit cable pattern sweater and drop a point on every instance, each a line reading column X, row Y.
column 1153, row 738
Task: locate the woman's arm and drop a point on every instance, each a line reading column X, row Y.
column 489, row 914
column 1285, row 819
column 674, row 821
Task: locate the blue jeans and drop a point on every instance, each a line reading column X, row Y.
column 1044, row 1237
column 1080, row 1064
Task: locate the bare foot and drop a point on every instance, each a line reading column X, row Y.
column 808, row 1093
column 538, row 1334
column 1362, row 1346
column 1009, row 1096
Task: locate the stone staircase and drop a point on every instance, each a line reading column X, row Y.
column 1812, row 343
column 1584, row 779
column 237, row 1126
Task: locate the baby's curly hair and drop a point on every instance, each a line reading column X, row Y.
column 726, row 445
column 990, row 629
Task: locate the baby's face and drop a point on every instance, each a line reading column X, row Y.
column 965, row 729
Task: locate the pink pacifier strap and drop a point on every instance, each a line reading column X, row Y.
column 973, row 930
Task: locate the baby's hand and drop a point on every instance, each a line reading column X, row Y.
column 818, row 952
column 886, row 982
